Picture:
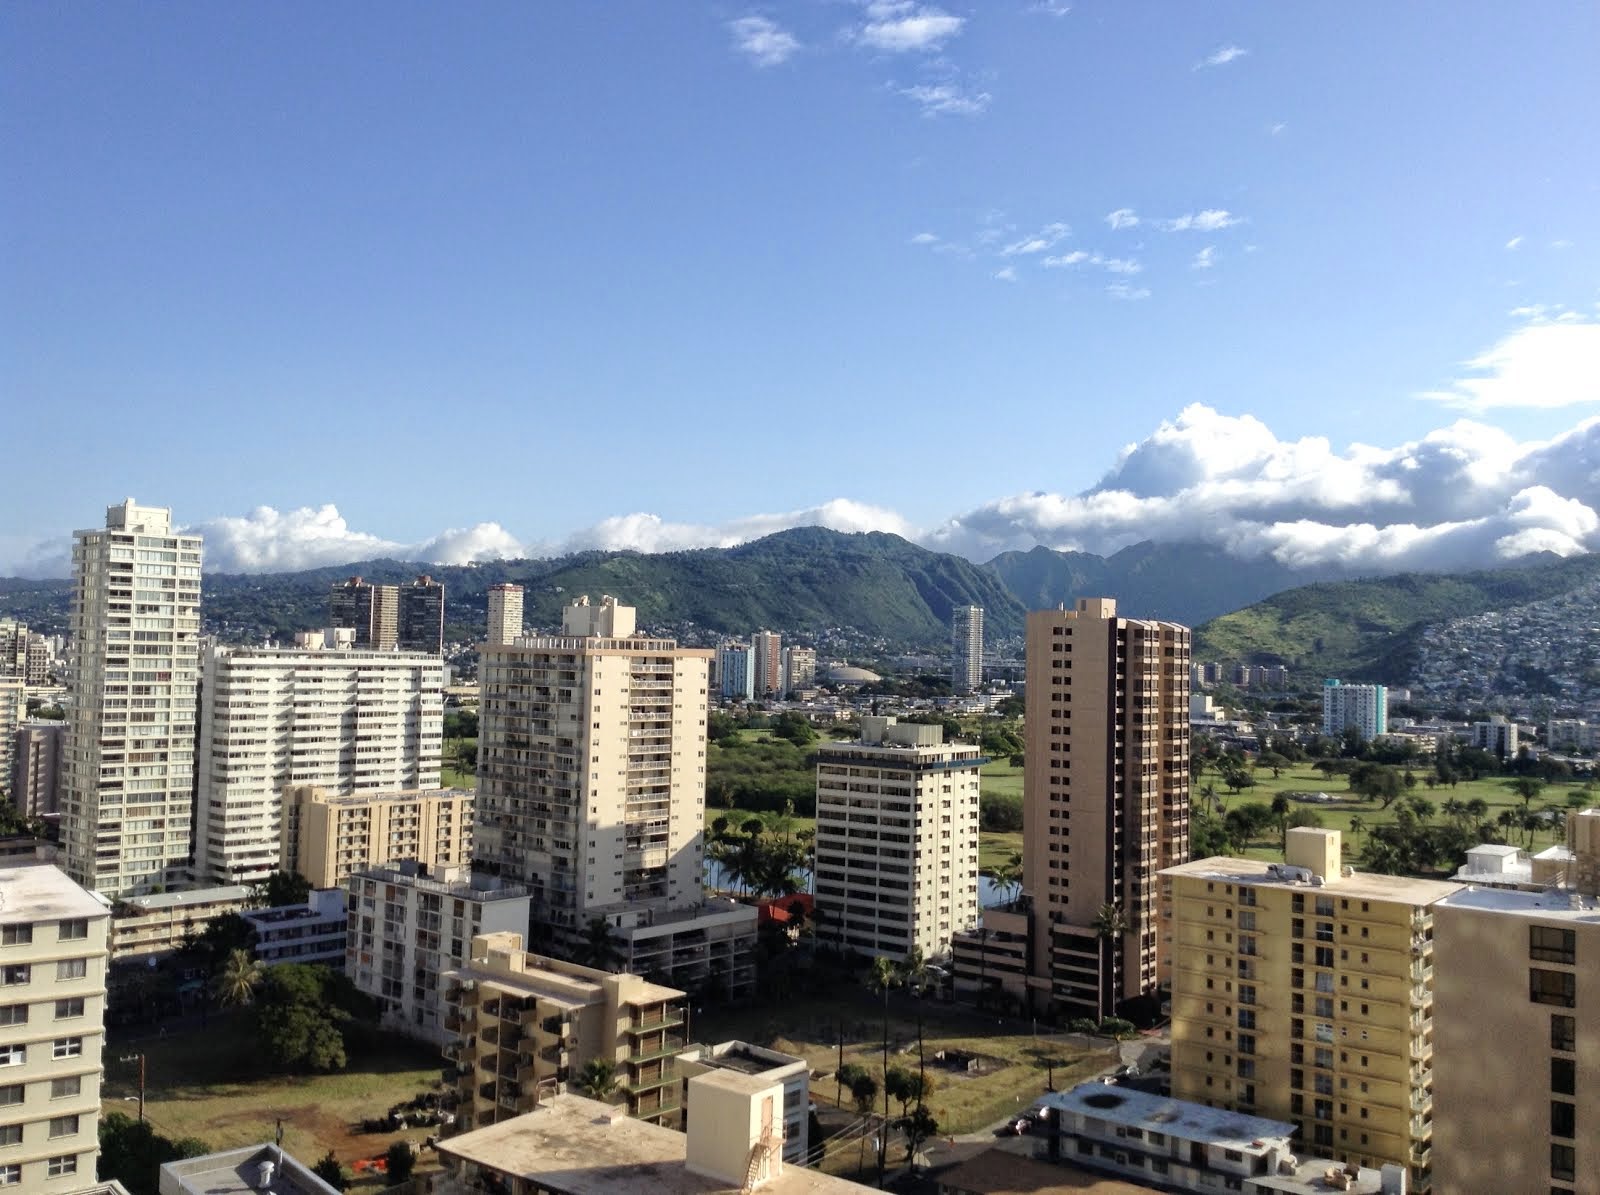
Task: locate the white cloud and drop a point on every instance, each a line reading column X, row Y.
column 899, row 27
column 1221, row 57
column 946, row 99
column 1545, row 364
column 1123, row 217
column 1127, row 292
column 1278, row 128
column 1046, row 238
column 1204, row 259
column 925, row 238
column 1008, row 274
column 651, row 533
column 1561, row 244
column 763, row 41
column 1209, row 220
column 1053, row 8
column 1080, row 257
column 1514, row 242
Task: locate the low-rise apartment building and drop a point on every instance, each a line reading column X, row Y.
column 313, row 932
column 406, row 928
column 773, row 1066
column 52, row 1028
column 897, row 839
column 149, row 928
column 522, row 1025
column 1304, row 991
column 326, row 837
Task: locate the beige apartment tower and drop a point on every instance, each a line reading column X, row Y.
column 897, row 840
column 1517, row 1028
column 505, row 615
column 322, row 712
column 13, row 708
column 766, row 661
column 1105, row 801
column 326, row 837
column 966, row 642
column 134, row 661
column 36, row 768
column 52, row 1029
column 1304, row 991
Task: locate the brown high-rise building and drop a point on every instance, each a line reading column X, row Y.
column 372, row 611
column 421, row 616
column 1105, row 807
column 766, row 657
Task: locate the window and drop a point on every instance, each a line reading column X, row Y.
column 1552, row 987
column 10, row 1093
column 1563, row 1075
column 14, row 1014
column 64, row 1126
column 10, row 1175
column 13, row 1055
column 18, row 973
column 66, row 1009
column 1563, row 1119
column 63, row 1166
column 67, row 1047
column 1563, row 1162
column 72, row 968
column 1563, row 1033
column 1547, row 944
column 75, row 930
column 61, row 1089
column 10, row 1134
column 16, row 935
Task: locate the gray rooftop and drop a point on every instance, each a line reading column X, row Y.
column 238, row 1172
column 226, row 894
column 1561, row 904
column 1176, row 1118
column 34, row 891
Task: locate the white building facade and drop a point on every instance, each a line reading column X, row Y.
column 1362, row 707
column 320, row 713
column 505, row 614
column 133, row 663
column 966, row 640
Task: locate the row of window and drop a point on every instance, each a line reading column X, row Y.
column 17, row 1014
column 62, row 1047
column 21, row 933
column 11, row 1175
column 21, row 973
column 60, row 1126
column 61, row 1088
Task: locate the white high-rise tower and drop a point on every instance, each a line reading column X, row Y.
column 966, row 637
column 128, row 792
column 505, row 614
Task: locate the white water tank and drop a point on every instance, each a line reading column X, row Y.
column 264, row 1173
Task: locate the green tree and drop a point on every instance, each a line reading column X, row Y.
column 278, row 889
column 864, row 1091
column 598, row 1079
column 237, row 981
column 897, row 1085
column 1110, row 924
column 918, row 1127
column 600, row 948
column 1526, row 788
column 330, row 1172
column 1280, row 810
column 133, row 1153
column 399, row 1162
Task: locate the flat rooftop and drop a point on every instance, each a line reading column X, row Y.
column 743, row 1057
column 1560, row 905
column 1176, row 1118
column 193, row 897
column 374, row 795
column 998, row 1171
column 34, row 891
column 582, row 1147
column 1365, row 885
column 238, row 1171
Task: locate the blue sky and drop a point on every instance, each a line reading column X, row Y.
column 330, row 278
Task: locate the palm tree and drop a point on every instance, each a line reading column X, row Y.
column 1110, row 923
column 1356, row 826
column 1280, row 810
column 884, row 976
column 599, row 949
column 598, row 1079
column 237, row 981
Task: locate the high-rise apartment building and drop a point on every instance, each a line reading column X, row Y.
column 1304, row 991
column 736, row 673
column 1105, row 800
column 371, row 611
column 421, row 616
column 591, row 792
column 24, row 654
column 766, row 659
column 1364, row 708
column 505, row 614
column 799, row 668
column 1516, row 1070
column 966, row 641
column 522, row 1025
column 13, row 708
column 134, row 663
column 327, row 837
column 897, row 839
column 52, row 1002
column 322, row 713
column 36, row 768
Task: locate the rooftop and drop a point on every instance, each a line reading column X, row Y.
column 35, row 891
column 238, row 1172
column 997, row 1171
column 226, row 894
column 465, row 889
column 1253, row 1135
column 1400, row 889
column 582, row 1147
column 1560, row 904
column 740, row 1056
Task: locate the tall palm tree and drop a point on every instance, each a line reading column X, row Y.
column 600, row 949
column 885, row 974
column 598, row 1079
column 1110, row 923
column 238, row 979
column 1356, row 826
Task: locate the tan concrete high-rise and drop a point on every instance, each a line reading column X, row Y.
column 327, row 837
column 591, row 792
column 966, row 641
column 505, row 614
column 36, row 768
column 134, row 663
column 1516, row 1070
column 1105, row 799
column 13, row 707
column 766, row 659
column 1304, row 991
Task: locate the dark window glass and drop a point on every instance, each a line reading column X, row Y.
column 1552, row 987
column 1563, row 1033
column 1563, row 1119
column 1563, row 1076
column 1547, row 944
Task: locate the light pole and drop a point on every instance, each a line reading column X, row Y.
column 139, row 1058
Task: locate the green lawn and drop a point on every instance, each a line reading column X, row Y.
column 208, row 1083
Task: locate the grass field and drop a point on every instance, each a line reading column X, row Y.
column 207, row 1083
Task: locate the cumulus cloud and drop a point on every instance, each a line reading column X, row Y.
column 1221, row 57
column 1545, row 364
column 1128, row 292
column 1514, row 242
column 763, row 41
column 272, row 540
column 1081, row 257
column 898, row 26
column 946, row 99
column 1204, row 259
column 651, row 533
column 1123, row 217
column 1046, row 238
column 925, row 238
column 1209, row 220
column 1006, row 274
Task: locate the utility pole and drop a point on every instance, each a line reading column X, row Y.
column 139, row 1058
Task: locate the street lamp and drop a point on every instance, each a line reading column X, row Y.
column 139, row 1058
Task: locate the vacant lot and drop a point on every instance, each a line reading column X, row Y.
column 208, row 1083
